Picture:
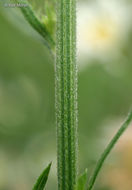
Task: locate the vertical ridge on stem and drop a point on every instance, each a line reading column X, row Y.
column 66, row 94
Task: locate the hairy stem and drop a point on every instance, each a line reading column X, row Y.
column 108, row 150
column 66, row 94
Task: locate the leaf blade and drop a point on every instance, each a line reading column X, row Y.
column 41, row 181
column 33, row 20
column 107, row 151
column 82, row 180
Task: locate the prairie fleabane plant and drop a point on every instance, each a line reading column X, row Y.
column 66, row 97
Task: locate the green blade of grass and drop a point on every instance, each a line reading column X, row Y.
column 41, row 182
column 37, row 25
column 108, row 150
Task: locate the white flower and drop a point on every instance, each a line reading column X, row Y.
column 102, row 28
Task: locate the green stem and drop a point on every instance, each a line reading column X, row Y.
column 108, row 150
column 66, row 94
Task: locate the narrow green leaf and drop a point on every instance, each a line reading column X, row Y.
column 81, row 182
column 37, row 25
column 108, row 150
column 41, row 182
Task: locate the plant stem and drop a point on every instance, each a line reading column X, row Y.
column 108, row 150
column 66, row 94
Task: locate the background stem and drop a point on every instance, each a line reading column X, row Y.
column 66, row 94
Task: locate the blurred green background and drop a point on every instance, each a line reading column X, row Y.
column 27, row 118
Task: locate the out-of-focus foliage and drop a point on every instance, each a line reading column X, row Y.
column 37, row 25
column 27, row 121
column 82, row 181
column 46, row 13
